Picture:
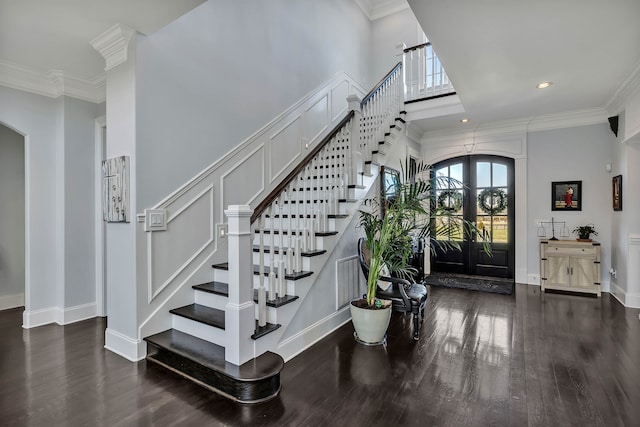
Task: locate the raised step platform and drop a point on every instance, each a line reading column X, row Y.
column 203, row 362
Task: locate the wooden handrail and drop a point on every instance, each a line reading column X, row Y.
column 380, row 83
column 294, row 173
column 418, row 46
column 275, row 193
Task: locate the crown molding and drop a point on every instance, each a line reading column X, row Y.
column 531, row 124
column 113, row 45
column 568, row 119
column 625, row 91
column 53, row 83
column 376, row 9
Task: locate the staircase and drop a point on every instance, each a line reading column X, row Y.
column 226, row 339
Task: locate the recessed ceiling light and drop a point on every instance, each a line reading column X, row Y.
column 543, row 85
column 464, row 121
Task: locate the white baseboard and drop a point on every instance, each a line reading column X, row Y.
column 11, row 301
column 307, row 337
column 34, row 318
column 77, row 313
column 632, row 301
column 618, row 293
column 122, row 345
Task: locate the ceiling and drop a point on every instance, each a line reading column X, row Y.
column 495, row 51
column 41, row 36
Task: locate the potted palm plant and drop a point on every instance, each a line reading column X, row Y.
column 389, row 234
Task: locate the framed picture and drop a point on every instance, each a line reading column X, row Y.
column 115, row 189
column 616, row 192
column 566, row 196
column 389, row 181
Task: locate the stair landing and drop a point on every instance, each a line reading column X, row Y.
column 204, row 363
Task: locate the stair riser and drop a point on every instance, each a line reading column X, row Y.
column 242, row 391
column 279, row 314
column 296, row 224
column 200, row 330
column 211, row 300
column 306, row 261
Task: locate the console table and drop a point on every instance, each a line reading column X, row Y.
column 570, row 265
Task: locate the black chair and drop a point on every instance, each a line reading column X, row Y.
column 406, row 297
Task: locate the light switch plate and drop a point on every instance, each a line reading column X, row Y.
column 155, row 219
column 222, row 230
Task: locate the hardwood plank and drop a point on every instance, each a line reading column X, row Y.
column 482, row 359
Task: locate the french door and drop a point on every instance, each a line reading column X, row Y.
column 480, row 191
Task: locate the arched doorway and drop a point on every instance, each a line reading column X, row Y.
column 481, row 191
column 12, row 218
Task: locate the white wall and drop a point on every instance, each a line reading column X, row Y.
column 47, row 125
column 11, row 218
column 79, row 215
column 387, row 32
column 210, row 79
column 577, row 153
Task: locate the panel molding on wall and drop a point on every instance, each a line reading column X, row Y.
column 284, row 148
column 347, row 281
column 235, row 179
column 155, row 284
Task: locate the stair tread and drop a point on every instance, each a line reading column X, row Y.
column 218, row 288
column 201, row 313
column 307, row 216
column 291, row 276
column 262, row 331
column 318, row 233
column 276, row 250
column 211, row 356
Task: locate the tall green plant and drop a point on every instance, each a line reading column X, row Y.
column 409, row 215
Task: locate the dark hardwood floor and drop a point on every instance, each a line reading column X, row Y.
column 482, row 359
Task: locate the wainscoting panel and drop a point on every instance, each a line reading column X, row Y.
column 347, row 281
column 285, row 148
column 338, row 94
column 316, row 121
column 192, row 231
column 237, row 187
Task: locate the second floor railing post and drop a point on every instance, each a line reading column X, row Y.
column 353, row 155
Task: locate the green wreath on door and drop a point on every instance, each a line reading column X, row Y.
column 492, row 201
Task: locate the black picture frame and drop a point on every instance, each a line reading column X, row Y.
column 389, row 181
column 616, row 192
column 566, row 196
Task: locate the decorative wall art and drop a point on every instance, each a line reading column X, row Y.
column 566, row 196
column 616, row 192
column 115, row 189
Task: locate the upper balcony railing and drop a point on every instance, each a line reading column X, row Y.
column 424, row 76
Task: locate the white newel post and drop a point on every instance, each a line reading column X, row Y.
column 239, row 312
column 354, row 155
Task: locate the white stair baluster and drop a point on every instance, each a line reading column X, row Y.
column 272, row 273
column 290, row 233
column 281, row 250
column 262, row 297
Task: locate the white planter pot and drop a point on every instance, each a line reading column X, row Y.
column 370, row 325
